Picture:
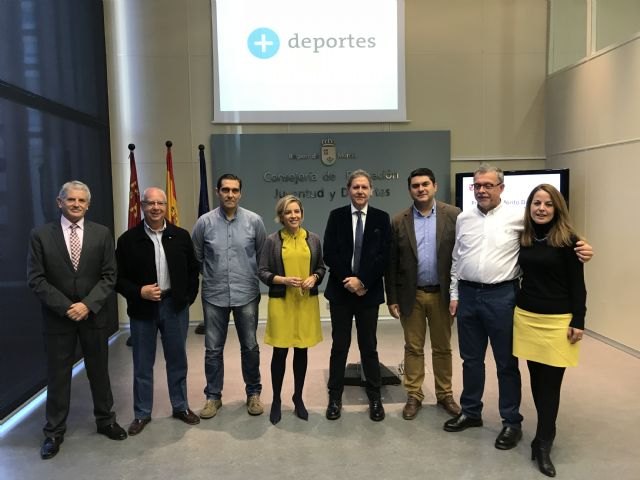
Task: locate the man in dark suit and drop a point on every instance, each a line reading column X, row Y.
column 356, row 250
column 71, row 268
column 158, row 275
column 417, row 284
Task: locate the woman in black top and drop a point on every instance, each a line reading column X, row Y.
column 550, row 309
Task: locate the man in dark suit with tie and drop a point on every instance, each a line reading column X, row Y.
column 71, row 268
column 417, row 284
column 356, row 250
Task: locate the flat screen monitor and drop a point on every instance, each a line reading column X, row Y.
column 517, row 186
column 308, row 61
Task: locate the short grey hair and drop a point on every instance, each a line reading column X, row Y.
column 359, row 173
column 487, row 168
column 74, row 185
column 146, row 190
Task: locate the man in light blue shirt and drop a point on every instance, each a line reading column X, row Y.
column 227, row 242
column 417, row 284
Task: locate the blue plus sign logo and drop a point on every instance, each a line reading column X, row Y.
column 263, row 43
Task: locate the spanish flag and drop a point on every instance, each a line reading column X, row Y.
column 134, row 191
column 172, row 199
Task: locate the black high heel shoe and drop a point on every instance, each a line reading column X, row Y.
column 276, row 412
column 299, row 408
column 541, row 450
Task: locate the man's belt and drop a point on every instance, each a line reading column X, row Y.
column 165, row 294
column 429, row 288
column 487, row 286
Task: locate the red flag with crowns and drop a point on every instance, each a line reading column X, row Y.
column 134, row 191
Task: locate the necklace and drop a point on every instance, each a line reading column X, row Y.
column 540, row 240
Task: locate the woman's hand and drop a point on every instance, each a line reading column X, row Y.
column 295, row 282
column 309, row 282
column 574, row 335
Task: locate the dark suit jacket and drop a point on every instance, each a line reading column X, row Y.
column 57, row 285
column 338, row 252
column 137, row 267
column 402, row 273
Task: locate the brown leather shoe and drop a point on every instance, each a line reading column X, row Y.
column 138, row 425
column 450, row 405
column 187, row 417
column 411, row 408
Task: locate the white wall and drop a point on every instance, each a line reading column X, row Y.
column 593, row 127
column 475, row 67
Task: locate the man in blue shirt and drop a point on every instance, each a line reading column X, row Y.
column 417, row 283
column 227, row 243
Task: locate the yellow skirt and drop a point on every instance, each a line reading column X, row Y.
column 543, row 338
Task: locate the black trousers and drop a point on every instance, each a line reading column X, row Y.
column 366, row 325
column 60, row 349
column 546, row 382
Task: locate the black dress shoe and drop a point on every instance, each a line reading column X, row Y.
column 333, row 410
column 461, row 422
column 200, row 330
column 376, row 410
column 129, row 341
column 113, row 431
column 138, row 425
column 50, row 447
column 508, row 438
column 187, row 417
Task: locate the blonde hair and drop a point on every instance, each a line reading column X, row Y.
column 562, row 233
column 282, row 205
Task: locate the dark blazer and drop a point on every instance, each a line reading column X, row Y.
column 271, row 263
column 402, row 272
column 137, row 267
column 338, row 252
column 57, row 285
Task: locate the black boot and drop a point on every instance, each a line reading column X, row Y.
column 541, row 450
column 276, row 411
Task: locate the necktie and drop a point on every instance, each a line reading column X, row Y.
column 74, row 245
column 357, row 245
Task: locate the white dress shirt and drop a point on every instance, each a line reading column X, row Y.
column 66, row 231
column 487, row 246
column 162, row 267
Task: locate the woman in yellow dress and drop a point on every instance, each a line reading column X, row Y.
column 550, row 308
column 291, row 266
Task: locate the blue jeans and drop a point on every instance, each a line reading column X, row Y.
column 216, row 322
column 487, row 314
column 173, row 326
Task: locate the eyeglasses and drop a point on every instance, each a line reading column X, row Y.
column 154, row 204
column 487, row 186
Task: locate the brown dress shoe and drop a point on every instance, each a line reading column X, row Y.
column 138, row 425
column 187, row 417
column 450, row 405
column 411, row 408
